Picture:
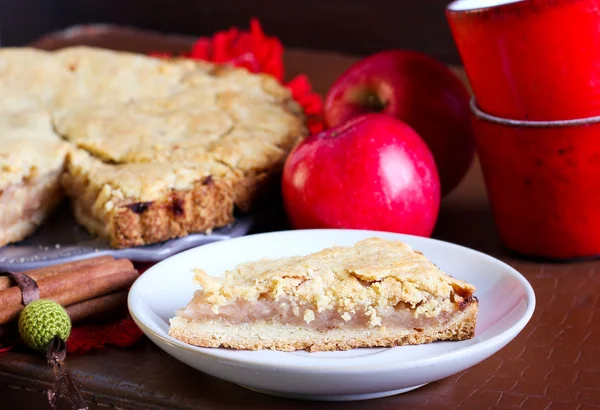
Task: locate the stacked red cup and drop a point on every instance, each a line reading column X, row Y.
column 534, row 67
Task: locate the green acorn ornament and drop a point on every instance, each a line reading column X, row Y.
column 44, row 326
column 41, row 321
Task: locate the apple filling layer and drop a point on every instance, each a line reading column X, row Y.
column 283, row 311
column 24, row 206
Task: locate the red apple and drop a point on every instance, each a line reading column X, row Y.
column 373, row 172
column 418, row 90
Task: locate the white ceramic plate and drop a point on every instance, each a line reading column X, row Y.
column 506, row 303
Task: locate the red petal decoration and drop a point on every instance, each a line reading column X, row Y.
column 310, row 101
column 85, row 338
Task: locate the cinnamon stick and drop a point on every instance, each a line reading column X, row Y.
column 37, row 274
column 79, row 291
column 53, row 285
column 100, row 306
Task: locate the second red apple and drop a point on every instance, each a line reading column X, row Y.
column 373, row 172
column 417, row 89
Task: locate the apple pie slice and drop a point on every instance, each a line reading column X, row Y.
column 377, row 293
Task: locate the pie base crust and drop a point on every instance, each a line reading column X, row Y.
column 282, row 337
column 181, row 212
column 130, row 221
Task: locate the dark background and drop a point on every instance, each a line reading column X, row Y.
column 351, row 26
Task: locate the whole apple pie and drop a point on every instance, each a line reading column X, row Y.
column 376, row 293
column 147, row 149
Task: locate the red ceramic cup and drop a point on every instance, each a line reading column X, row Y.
column 543, row 181
column 531, row 60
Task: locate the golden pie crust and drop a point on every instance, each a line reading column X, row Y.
column 376, row 293
column 152, row 148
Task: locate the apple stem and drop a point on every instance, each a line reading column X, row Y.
column 374, row 103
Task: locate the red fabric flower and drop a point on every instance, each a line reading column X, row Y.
column 311, row 102
column 85, row 338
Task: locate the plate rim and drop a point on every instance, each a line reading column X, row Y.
column 325, row 364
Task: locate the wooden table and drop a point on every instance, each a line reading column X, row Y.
column 553, row 364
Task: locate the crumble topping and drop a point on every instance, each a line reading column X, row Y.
column 375, row 278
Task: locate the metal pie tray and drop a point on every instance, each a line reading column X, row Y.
column 61, row 239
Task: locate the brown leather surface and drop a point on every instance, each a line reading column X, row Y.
column 553, row 364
